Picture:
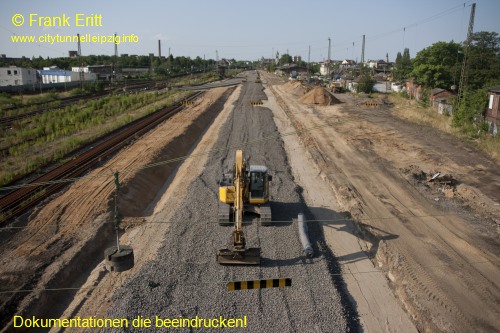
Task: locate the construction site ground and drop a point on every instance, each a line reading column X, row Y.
column 393, row 251
column 437, row 242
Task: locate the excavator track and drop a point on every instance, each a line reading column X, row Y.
column 225, row 214
column 265, row 215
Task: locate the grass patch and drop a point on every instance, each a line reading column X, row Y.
column 33, row 143
column 413, row 111
column 192, row 80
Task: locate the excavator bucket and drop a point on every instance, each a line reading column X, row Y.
column 250, row 256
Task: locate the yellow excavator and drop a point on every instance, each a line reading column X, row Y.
column 245, row 190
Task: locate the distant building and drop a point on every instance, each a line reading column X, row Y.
column 347, row 63
column 324, row 68
column 56, row 75
column 441, row 100
column 225, row 62
column 492, row 115
column 17, row 76
column 292, row 70
column 265, row 62
column 397, row 87
column 103, row 72
column 297, row 59
column 221, row 69
column 377, row 64
column 414, row 90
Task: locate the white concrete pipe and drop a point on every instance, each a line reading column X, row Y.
column 303, row 236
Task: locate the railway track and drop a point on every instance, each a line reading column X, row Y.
column 8, row 120
column 21, row 199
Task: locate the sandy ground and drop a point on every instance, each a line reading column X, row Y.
column 378, row 309
column 438, row 245
column 68, row 235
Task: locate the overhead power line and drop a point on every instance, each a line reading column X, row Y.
column 224, row 283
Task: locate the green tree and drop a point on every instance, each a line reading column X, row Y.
column 437, row 66
column 402, row 65
column 366, row 82
column 484, row 59
column 285, row 59
column 314, row 68
column 396, row 73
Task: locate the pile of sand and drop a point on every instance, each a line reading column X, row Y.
column 295, row 88
column 318, row 95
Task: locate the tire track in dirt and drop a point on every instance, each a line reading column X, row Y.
column 439, row 297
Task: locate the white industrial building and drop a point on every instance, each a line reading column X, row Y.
column 17, row 76
column 56, row 75
column 324, row 68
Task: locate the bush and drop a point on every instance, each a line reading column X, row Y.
column 365, row 84
column 76, row 92
column 470, row 111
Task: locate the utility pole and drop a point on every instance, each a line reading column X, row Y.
column 465, row 64
column 113, row 68
column 329, row 57
column 329, row 49
column 79, row 45
column 116, row 47
column 308, row 59
column 80, row 70
column 363, row 52
column 159, row 50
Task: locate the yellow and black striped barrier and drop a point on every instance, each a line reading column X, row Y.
column 256, row 103
column 371, row 104
column 259, row 284
column 187, row 102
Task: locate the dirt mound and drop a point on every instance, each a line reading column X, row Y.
column 318, row 95
column 295, row 88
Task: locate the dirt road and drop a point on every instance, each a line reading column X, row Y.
column 438, row 244
column 377, row 307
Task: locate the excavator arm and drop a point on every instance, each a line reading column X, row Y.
column 238, row 253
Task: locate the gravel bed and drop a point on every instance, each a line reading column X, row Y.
column 185, row 279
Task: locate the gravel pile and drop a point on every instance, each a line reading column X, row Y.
column 186, row 281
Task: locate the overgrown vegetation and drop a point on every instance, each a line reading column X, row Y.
column 34, row 142
column 474, row 131
column 439, row 66
column 196, row 79
column 365, row 83
column 402, row 66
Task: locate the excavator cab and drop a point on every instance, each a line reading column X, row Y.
column 258, row 185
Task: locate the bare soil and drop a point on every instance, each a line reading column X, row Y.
column 377, row 308
column 319, row 96
column 402, row 241
column 437, row 242
column 65, row 238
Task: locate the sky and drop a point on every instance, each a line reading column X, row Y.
column 246, row 30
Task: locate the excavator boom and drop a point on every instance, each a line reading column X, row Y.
column 238, row 254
